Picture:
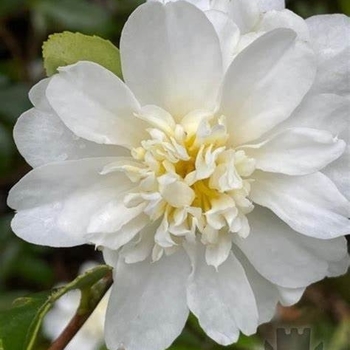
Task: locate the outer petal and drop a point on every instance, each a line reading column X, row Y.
column 339, row 172
column 147, row 309
column 265, row 83
column 245, row 13
column 285, row 257
column 96, row 105
column 267, row 294
column 41, row 137
column 268, row 5
column 338, row 268
column 204, row 5
column 297, row 151
column 54, row 208
column 222, row 299
column 140, row 249
column 290, row 296
column 323, row 112
column 284, row 19
column 329, row 34
column 310, row 204
column 166, row 62
column 118, row 238
column 228, row 34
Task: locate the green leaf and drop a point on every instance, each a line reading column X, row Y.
column 67, row 48
column 20, row 325
column 14, row 323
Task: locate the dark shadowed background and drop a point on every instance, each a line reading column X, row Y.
column 25, row 268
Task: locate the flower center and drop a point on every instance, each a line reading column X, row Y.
column 189, row 179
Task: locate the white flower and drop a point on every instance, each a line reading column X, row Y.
column 91, row 335
column 202, row 186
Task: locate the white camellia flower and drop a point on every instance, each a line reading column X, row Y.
column 91, row 335
column 211, row 190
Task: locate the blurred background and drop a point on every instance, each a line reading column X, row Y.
column 25, row 268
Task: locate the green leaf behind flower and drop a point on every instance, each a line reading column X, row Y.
column 66, row 48
column 20, row 324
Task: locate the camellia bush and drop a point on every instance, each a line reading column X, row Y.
column 206, row 161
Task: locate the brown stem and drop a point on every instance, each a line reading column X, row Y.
column 80, row 318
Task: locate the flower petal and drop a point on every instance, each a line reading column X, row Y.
column 167, row 63
column 138, row 251
column 113, row 216
column 228, row 34
column 290, row 296
column 204, row 5
column 268, row 5
column 218, row 252
column 284, row 19
column 96, row 105
column 310, row 204
column 222, row 299
column 117, row 239
column 297, row 151
column 244, row 13
column 339, row 171
column 147, row 309
column 265, row 83
column 267, row 294
column 329, row 35
column 323, row 112
column 54, row 208
column 41, row 137
column 285, row 257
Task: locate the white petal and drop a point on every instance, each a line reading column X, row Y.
column 265, row 83
column 220, row 5
column 228, row 33
column 338, row 268
column 41, row 137
column 96, row 105
column 138, row 251
column 329, row 34
column 310, row 204
column 113, row 216
column 54, row 207
column 284, row 19
column 222, row 299
column 339, row 171
column 217, row 253
column 323, row 112
column 245, row 14
column 166, row 62
column 117, row 239
column 285, row 257
column 266, row 294
column 147, row 308
column 201, row 4
column 297, row 151
column 268, row 5
column 290, row 296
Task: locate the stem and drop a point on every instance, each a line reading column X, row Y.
column 82, row 314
